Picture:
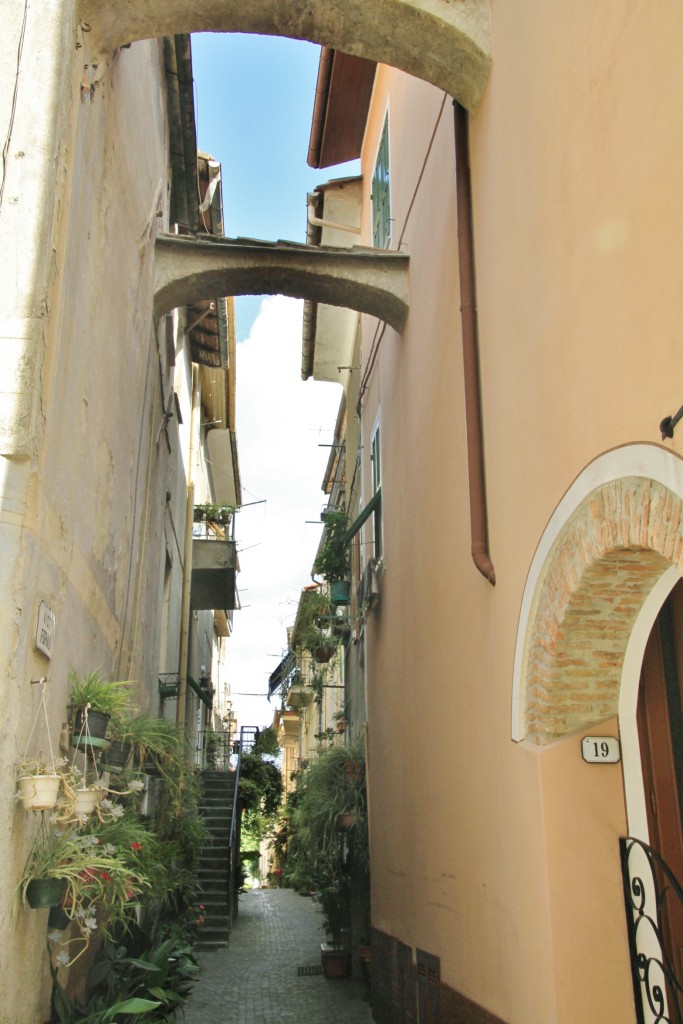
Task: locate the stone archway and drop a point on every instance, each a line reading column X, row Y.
column 188, row 269
column 603, row 553
column 442, row 42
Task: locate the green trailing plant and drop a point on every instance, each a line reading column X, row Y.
column 313, row 630
column 99, row 880
column 260, row 784
column 266, row 742
column 110, row 698
column 316, row 844
column 333, row 560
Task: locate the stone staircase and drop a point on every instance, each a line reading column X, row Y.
column 218, row 790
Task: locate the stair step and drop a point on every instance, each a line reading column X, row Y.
column 214, row 934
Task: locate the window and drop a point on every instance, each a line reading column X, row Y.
column 376, row 471
column 381, row 214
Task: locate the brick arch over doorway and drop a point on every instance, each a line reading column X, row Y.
column 445, row 43
column 602, row 566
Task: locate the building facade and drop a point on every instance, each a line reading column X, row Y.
column 110, row 419
column 527, row 531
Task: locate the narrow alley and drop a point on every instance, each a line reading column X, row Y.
column 269, row 971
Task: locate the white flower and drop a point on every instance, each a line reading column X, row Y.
column 90, row 923
column 109, row 848
column 136, row 785
column 106, row 805
column 63, row 958
column 54, row 936
column 116, row 811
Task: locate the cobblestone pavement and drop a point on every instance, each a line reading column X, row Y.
column 255, row 979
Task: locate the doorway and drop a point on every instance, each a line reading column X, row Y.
column 660, row 735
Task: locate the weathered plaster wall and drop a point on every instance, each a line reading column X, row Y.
column 82, row 513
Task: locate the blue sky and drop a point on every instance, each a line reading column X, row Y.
column 254, row 101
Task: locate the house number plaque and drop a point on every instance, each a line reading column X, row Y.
column 600, row 749
column 45, row 632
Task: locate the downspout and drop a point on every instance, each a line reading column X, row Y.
column 470, row 349
column 187, row 560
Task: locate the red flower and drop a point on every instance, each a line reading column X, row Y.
column 105, row 877
column 136, row 846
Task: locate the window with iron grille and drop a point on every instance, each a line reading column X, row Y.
column 381, row 211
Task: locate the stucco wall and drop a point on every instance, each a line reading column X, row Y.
column 493, row 855
column 83, row 510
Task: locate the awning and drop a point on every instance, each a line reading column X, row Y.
column 281, row 673
column 201, row 693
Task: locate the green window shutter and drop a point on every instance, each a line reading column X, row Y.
column 381, row 214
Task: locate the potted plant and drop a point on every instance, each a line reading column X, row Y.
column 156, row 742
column 319, row 853
column 38, row 783
column 95, row 702
column 335, row 900
column 207, row 512
column 332, row 561
column 77, row 871
column 80, row 795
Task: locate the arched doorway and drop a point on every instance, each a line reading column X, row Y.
column 660, row 733
column 601, row 636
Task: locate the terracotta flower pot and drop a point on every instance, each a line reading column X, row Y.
column 39, row 792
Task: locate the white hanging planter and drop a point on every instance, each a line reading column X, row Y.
column 39, row 792
column 85, row 801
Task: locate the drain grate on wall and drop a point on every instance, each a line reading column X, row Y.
column 309, row 969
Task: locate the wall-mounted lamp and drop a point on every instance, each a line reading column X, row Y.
column 668, row 424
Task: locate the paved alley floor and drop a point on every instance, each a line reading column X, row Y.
column 255, row 979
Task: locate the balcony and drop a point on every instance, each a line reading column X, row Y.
column 214, row 567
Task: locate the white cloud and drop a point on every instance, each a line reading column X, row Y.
column 282, row 422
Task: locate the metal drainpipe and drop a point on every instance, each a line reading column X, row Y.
column 470, row 348
column 187, row 561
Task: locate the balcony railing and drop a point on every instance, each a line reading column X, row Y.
column 654, row 897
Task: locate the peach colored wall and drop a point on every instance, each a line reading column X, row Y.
column 497, row 856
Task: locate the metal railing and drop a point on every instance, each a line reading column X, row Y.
column 214, row 749
column 653, row 895
column 248, row 736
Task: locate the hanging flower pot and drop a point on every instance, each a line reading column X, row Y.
column 89, row 731
column 116, row 756
column 85, row 801
column 45, row 892
column 39, row 792
column 58, row 918
column 347, row 820
column 323, row 653
column 340, row 592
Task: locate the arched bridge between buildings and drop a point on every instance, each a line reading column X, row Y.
column 443, row 42
column 187, row 270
